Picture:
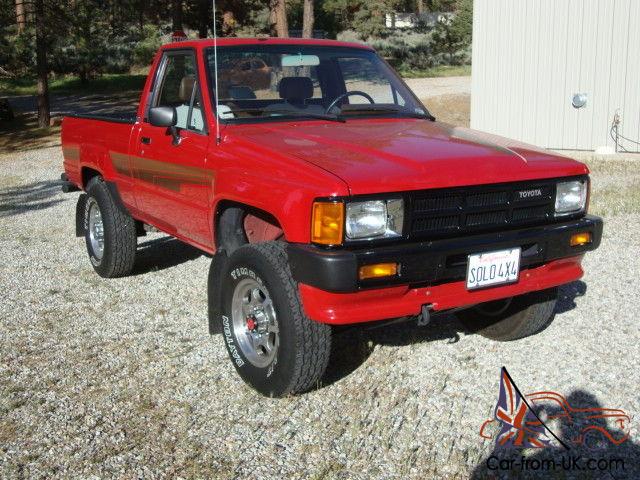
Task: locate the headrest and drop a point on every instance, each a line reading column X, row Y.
column 186, row 87
column 296, row 88
column 241, row 92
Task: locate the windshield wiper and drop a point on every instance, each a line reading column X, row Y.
column 286, row 113
column 369, row 109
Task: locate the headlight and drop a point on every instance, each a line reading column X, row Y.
column 375, row 219
column 571, row 197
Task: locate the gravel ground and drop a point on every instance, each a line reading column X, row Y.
column 432, row 87
column 119, row 378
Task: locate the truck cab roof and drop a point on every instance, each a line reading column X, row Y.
column 235, row 41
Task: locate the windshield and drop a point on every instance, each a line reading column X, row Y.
column 268, row 82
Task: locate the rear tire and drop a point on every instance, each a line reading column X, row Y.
column 110, row 232
column 273, row 345
column 513, row 318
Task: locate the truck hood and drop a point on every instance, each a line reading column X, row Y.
column 392, row 155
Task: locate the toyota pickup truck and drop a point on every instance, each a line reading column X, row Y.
column 328, row 195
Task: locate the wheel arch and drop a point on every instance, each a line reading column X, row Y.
column 257, row 225
column 87, row 174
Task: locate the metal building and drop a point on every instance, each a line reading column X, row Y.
column 554, row 73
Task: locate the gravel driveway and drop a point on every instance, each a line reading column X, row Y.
column 119, row 378
column 432, row 87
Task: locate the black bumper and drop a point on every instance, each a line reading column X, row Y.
column 434, row 262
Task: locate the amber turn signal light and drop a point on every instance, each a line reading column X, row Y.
column 579, row 239
column 378, row 270
column 327, row 223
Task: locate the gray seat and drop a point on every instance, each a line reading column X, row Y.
column 295, row 91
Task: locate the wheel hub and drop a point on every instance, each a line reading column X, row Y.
column 255, row 323
column 96, row 230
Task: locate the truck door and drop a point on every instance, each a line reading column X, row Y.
column 173, row 184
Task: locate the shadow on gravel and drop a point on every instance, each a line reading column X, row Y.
column 162, row 253
column 96, row 104
column 26, row 198
column 594, row 455
column 567, row 295
column 353, row 345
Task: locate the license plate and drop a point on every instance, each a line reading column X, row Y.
column 493, row 268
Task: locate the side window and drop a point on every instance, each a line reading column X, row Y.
column 179, row 89
column 361, row 74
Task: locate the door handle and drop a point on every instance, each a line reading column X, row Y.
column 146, row 140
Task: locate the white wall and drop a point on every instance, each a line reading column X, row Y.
column 531, row 56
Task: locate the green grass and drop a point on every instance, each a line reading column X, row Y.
column 441, row 71
column 108, row 83
column 615, row 186
column 616, row 200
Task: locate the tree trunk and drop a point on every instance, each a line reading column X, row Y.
column 203, row 21
column 44, row 113
column 21, row 19
column 272, row 19
column 176, row 16
column 420, row 6
column 141, row 7
column 278, row 16
column 308, row 19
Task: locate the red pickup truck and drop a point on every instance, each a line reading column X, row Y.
column 330, row 196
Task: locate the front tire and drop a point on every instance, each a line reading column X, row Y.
column 513, row 318
column 273, row 345
column 110, row 232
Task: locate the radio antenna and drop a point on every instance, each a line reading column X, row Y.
column 215, row 74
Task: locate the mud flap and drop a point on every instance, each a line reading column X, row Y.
column 80, row 206
column 214, row 290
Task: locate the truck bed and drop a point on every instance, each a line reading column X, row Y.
column 91, row 141
column 115, row 117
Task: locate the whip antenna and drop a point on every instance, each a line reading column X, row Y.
column 215, row 74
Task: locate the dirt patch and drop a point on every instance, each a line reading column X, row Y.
column 23, row 133
column 453, row 108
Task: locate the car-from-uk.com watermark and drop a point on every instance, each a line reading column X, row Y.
column 555, row 434
column 574, row 463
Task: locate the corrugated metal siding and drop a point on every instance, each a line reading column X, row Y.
column 531, row 57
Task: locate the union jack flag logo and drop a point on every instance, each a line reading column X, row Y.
column 520, row 427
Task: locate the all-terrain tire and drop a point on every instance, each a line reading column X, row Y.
column 119, row 238
column 300, row 359
column 512, row 319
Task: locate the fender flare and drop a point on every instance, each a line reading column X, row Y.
column 218, row 265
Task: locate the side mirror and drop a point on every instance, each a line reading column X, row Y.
column 163, row 117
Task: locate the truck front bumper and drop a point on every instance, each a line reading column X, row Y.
column 433, row 272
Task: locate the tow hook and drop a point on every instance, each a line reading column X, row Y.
column 425, row 317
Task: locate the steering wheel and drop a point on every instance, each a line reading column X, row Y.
column 349, row 94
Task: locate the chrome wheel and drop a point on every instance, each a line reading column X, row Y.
column 255, row 325
column 96, row 230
